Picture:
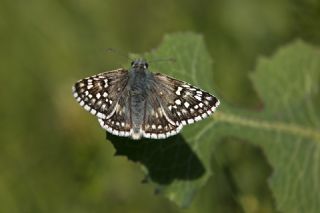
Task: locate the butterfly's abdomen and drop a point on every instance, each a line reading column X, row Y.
column 137, row 113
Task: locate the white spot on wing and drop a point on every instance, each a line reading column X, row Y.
column 146, row 135
column 190, row 121
column 178, row 92
column 184, row 111
column 209, row 98
column 198, row 118
column 218, row 103
column 161, row 136
column 204, row 115
column 116, row 132
column 178, row 102
column 198, row 98
column 100, row 115
column 86, row 107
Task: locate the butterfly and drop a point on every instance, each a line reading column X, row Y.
column 139, row 103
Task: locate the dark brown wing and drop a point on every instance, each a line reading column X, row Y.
column 182, row 102
column 157, row 124
column 100, row 93
column 119, row 123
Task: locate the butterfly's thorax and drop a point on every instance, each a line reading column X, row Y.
column 138, row 83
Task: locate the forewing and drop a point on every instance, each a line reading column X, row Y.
column 99, row 94
column 182, row 102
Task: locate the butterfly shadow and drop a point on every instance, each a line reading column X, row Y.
column 166, row 160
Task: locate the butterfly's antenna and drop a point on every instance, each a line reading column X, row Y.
column 164, row 60
column 122, row 54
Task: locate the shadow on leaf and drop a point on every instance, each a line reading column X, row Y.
column 166, row 160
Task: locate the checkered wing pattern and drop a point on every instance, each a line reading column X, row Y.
column 100, row 94
column 157, row 124
column 119, row 123
column 173, row 104
column 105, row 95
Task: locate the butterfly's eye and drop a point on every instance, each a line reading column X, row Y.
column 146, row 65
column 132, row 63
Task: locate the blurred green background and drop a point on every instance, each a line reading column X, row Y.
column 54, row 156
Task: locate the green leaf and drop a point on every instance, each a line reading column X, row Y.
column 287, row 129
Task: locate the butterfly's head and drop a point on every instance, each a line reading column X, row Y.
column 139, row 64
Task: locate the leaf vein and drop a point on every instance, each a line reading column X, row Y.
column 271, row 126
